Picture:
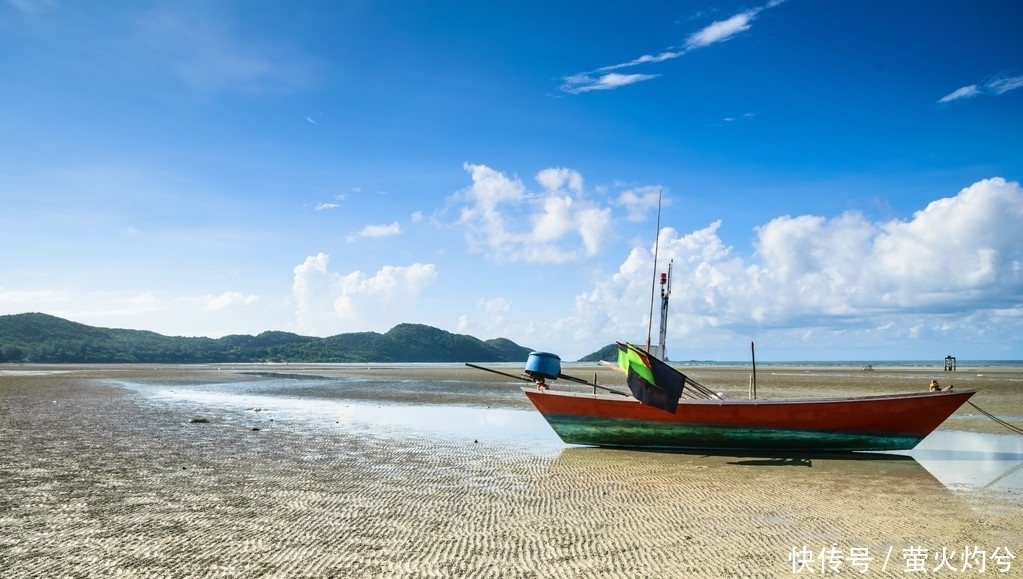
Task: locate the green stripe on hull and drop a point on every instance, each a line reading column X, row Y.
column 668, row 435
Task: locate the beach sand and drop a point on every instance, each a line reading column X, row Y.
column 102, row 480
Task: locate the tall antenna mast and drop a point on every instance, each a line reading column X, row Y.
column 665, row 294
column 653, row 282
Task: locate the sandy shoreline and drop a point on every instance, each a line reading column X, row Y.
column 99, row 480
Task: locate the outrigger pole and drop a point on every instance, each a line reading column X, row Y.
column 562, row 376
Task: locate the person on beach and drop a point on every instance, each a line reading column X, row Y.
column 935, row 387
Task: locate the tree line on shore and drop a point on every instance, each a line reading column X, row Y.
column 42, row 338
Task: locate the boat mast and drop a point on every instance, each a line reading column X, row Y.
column 653, row 282
column 665, row 293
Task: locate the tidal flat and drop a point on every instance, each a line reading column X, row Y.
column 445, row 471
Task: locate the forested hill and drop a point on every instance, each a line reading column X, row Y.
column 36, row 337
column 608, row 352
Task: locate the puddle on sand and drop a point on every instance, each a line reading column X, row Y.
column 968, row 460
column 469, row 422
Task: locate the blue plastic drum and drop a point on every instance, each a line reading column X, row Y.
column 543, row 364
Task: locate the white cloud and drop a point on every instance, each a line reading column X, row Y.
column 323, row 206
column 1004, row 85
column 721, row 30
column 495, row 306
column 313, row 287
column 639, row 202
column 743, row 117
column 555, row 221
column 554, row 180
column 493, row 312
column 584, row 83
column 593, row 225
column 713, row 33
column 995, row 87
column 961, row 254
column 489, row 318
column 960, row 93
column 228, row 299
column 645, row 59
column 330, row 303
column 563, row 225
column 377, row 231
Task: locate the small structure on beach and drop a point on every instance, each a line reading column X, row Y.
column 950, row 363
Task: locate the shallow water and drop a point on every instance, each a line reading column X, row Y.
column 970, row 460
column 960, row 460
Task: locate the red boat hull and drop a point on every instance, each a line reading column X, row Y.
column 893, row 422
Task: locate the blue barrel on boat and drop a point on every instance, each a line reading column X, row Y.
column 543, row 364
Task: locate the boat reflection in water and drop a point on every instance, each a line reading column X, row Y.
column 969, row 460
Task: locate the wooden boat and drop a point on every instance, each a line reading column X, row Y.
column 705, row 421
column 871, row 423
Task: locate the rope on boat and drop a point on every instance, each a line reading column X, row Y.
column 704, row 392
column 1011, row 427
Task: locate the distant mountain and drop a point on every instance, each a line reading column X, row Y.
column 36, row 337
column 608, row 353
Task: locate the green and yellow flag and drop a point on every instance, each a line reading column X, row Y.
column 651, row 381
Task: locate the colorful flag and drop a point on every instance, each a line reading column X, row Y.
column 651, row 381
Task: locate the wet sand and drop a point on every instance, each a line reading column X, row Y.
column 99, row 479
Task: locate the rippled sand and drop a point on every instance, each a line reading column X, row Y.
column 98, row 480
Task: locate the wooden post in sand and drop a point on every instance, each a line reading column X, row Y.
column 753, row 378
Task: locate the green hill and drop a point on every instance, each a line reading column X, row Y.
column 608, row 353
column 36, row 337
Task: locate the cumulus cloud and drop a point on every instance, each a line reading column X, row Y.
column 994, row 87
column 559, row 179
column 228, row 299
column 603, row 79
column 959, row 254
column 639, row 202
column 329, row 302
column 377, row 231
column 556, row 225
column 490, row 317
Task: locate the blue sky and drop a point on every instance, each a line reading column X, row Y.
column 840, row 180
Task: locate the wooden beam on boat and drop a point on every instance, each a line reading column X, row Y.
column 594, row 384
column 562, row 376
column 523, row 378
